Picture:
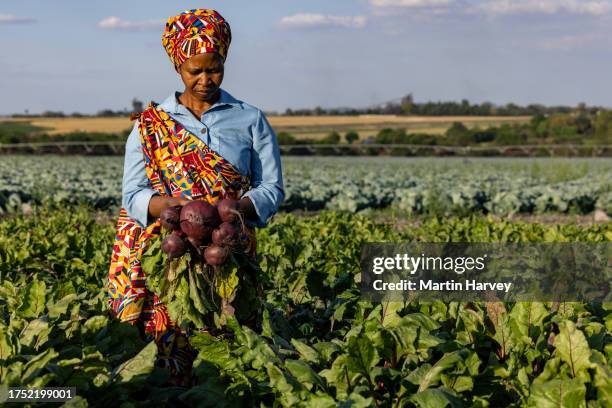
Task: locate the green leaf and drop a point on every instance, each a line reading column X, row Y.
column 178, row 308
column 436, row 397
column 33, row 300
column 448, row 361
column 283, row 384
column 326, row 350
column 419, row 319
column 603, row 378
column 573, row 347
column 307, row 353
column 226, row 283
column 390, row 316
column 558, row 393
column 197, row 297
column 255, row 350
column 340, row 377
column 140, row 365
column 212, row 350
column 35, row 334
column 356, row 400
column 95, row 323
column 362, row 356
column 37, row 364
column 527, row 319
column 498, row 317
column 60, row 307
column 304, row 373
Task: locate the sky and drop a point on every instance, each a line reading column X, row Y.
column 84, row 56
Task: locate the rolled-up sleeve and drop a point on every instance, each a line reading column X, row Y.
column 267, row 191
column 136, row 187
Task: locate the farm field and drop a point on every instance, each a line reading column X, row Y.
column 319, row 344
column 401, row 186
column 314, row 127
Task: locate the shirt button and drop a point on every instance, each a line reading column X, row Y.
column 203, row 131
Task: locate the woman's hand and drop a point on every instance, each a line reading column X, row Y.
column 157, row 204
column 248, row 209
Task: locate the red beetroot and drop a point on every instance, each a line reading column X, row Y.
column 174, row 246
column 229, row 210
column 216, row 255
column 226, row 234
column 170, row 218
column 198, row 219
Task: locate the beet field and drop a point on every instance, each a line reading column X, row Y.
column 319, row 343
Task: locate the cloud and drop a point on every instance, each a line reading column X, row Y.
column 320, row 20
column 410, row 3
column 506, row 7
column 114, row 23
column 11, row 19
column 568, row 42
column 420, row 9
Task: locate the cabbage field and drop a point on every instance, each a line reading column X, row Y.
column 404, row 185
column 320, row 344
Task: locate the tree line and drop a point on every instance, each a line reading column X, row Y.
column 403, row 106
column 407, row 106
column 560, row 128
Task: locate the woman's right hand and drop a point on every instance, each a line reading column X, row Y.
column 158, row 203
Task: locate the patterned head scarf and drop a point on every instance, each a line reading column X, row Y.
column 193, row 32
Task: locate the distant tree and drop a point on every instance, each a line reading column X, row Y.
column 332, row 138
column 603, row 126
column 53, row 114
column 319, row 111
column 391, row 136
column 484, row 135
column 407, row 103
column 285, row 138
column 537, row 119
column 106, row 113
column 421, row 139
column 508, row 135
column 351, row 137
column 458, row 134
column 137, row 106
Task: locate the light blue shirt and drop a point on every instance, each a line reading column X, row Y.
column 239, row 132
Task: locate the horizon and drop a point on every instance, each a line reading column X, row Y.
column 296, row 112
column 291, row 56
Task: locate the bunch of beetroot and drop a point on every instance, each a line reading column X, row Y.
column 211, row 231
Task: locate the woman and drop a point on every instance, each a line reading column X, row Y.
column 200, row 144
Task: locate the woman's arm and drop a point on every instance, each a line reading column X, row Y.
column 268, row 191
column 136, row 187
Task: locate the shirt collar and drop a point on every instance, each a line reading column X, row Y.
column 172, row 105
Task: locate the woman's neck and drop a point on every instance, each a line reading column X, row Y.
column 195, row 105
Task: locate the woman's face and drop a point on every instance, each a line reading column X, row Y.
column 202, row 75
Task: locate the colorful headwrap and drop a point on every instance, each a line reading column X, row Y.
column 193, row 32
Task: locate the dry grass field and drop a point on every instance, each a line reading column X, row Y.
column 68, row 125
column 312, row 127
